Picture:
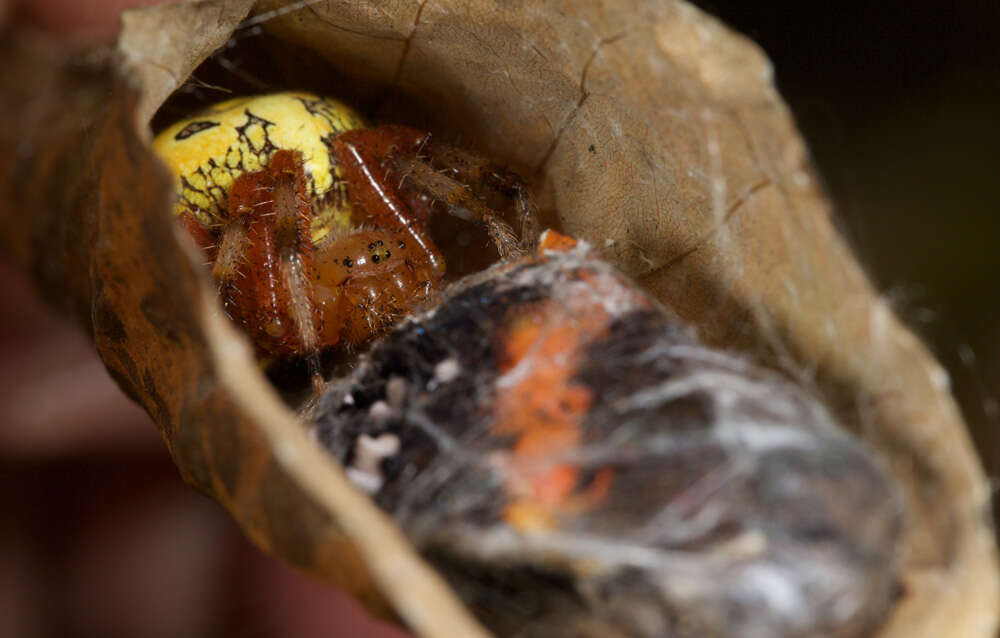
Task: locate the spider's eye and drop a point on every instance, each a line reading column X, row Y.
column 348, row 262
column 374, row 258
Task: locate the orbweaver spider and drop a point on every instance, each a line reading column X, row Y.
column 316, row 227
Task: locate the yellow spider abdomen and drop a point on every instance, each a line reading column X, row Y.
column 208, row 150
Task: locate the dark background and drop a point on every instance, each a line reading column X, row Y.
column 898, row 102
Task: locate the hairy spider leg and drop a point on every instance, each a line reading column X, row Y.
column 375, row 156
column 459, row 201
column 399, row 149
column 202, row 235
column 264, row 260
column 467, row 168
column 362, row 154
